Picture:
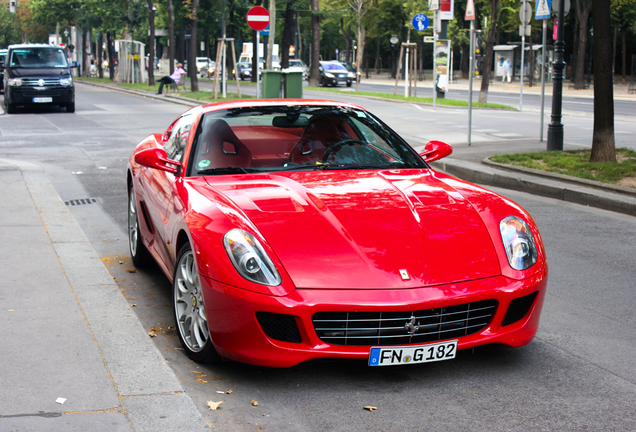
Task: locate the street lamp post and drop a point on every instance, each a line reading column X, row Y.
column 555, row 128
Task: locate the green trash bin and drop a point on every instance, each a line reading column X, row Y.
column 271, row 84
column 293, row 84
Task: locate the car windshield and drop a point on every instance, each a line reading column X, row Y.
column 333, row 67
column 38, row 58
column 297, row 138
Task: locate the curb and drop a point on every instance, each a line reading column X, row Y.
column 569, row 191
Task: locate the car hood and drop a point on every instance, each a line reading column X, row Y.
column 369, row 229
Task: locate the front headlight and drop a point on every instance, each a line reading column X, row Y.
column 250, row 259
column 329, row 75
column 518, row 242
column 15, row 82
column 352, row 75
column 66, row 81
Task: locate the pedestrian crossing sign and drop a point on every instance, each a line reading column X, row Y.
column 543, row 9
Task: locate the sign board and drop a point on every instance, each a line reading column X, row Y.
column 433, row 5
column 470, row 10
column 429, row 39
column 524, row 30
column 265, row 31
column 566, row 8
column 442, row 57
column 446, row 10
column 420, row 22
column 525, row 13
column 258, row 18
column 542, row 10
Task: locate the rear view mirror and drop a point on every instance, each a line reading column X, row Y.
column 286, row 122
column 158, row 159
column 435, row 150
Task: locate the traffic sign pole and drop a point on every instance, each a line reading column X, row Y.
column 471, row 71
column 545, row 28
column 258, row 87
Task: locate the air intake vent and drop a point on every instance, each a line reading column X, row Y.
column 404, row 327
column 81, row 201
column 518, row 308
column 280, row 327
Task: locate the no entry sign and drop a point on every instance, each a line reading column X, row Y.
column 258, row 18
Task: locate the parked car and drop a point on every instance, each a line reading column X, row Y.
column 351, row 67
column 244, row 71
column 38, row 74
column 204, row 64
column 298, row 66
column 294, row 230
column 333, row 73
column 3, row 56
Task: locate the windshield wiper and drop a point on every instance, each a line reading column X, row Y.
column 353, row 166
column 223, row 170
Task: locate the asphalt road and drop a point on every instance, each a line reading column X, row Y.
column 578, row 374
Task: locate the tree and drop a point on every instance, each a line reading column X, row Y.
column 603, row 145
column 582, row 9
column 483, row 93
column 623, row 14
column 151, row 44
column 314, row 74
column 360, row 7
column 193, row 6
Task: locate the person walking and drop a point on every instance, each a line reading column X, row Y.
column 175, row 78
column 507, row 68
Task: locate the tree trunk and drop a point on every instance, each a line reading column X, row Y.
column 109, row 52
column 362, row 33
column 151, row 44
column 171, row 40
column 378, row 59
column 624, row 48
column 582, row 9
column 100, row 55
column 603, row 144
column 287, row 35
column 192, row 61
column 485, row 78
column 314, row 75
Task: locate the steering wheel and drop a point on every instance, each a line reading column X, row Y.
column 333, row 148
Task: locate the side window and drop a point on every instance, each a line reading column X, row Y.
column 179, row 138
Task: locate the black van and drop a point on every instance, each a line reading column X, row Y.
column 37, row 74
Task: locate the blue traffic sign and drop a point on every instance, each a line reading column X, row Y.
column 420, row 22
column 542, row 10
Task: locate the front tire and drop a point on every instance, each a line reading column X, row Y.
column 70, row 108
column 189, row 310
column 10, row 108
column 138, row 252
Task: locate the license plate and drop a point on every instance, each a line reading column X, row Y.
column 42, row 99
column 388, row 356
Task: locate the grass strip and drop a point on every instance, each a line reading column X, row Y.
column 576, row 163
column 427, row 100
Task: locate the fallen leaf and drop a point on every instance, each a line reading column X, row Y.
column 134, row 305
column 10, row 310
column 196, row 372
column 121, row 262
column 254, row 403
column 214, row 405
column 152, row 334
column 370, row 408
column 202, row 381
column 132, row 271
column 229, row 392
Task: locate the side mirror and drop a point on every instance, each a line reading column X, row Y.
column 158, row 159
column 75, row 64
column 435, row 150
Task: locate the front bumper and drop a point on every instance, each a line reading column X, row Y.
column 24, row 95
column 238, row 335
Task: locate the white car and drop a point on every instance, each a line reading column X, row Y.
column 204, row 65
column 298, row 66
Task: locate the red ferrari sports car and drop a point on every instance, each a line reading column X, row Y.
column 297, row 229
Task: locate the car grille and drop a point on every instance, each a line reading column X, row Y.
column 48, row 82
column 400, row 328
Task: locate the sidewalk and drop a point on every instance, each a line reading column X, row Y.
column 74, row 356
